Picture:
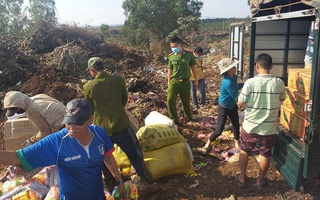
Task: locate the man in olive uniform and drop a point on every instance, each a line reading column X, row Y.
column 108, row 96
column 179, row 63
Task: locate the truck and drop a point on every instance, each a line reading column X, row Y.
column 288, row 30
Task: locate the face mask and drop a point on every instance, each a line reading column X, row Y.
column 175, row 50
column 16, row 116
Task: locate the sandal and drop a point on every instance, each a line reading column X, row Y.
column 264, row 183
column 242, row 185
column 202, row 150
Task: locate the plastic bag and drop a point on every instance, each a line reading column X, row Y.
column 53, row 193
column 132, row 191
column 37, row 190
column 9, row 185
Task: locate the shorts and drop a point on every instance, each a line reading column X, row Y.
column 248, row 141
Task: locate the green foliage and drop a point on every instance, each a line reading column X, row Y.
column 188, row 30
column 12, row 17
column 135, row 34
column 151, row 21
column 105, row 31
column 16, row 19
column 42, row 11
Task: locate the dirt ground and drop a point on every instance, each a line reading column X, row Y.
column 60, row 72
column 215, row 179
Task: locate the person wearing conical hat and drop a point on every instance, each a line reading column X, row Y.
column 227, row 107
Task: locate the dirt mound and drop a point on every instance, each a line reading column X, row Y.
column 15, row 65
column 53, row 60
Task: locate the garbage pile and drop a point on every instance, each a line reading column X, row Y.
column 43, row 184
column 59, row 71
column 38, row 184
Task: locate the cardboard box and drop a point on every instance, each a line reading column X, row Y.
column 15, row 143
column 293, row 77
column 290, row 98
column 299, row 104
column 19, row 127
column 298, row 126
column 286, row 117
column 304, row 83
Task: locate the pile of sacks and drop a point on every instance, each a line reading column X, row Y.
column 161, row 145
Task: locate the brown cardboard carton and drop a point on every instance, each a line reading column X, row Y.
column 15, row 143
column 19, row 128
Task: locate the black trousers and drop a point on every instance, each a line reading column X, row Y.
column 223, row 113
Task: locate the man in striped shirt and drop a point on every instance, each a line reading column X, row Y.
column 262, row 95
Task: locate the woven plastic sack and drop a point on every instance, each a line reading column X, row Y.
column 157, row 136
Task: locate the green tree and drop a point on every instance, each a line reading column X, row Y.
column 105, row 31
column 188, row 30
column 151, row 21
column 42, row 11
column 12, row 17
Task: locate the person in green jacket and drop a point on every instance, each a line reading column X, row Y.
column 108, row 96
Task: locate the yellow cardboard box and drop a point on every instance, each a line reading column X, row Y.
column 298, row 126
column 299, row 104
column 286, row 117
column 293, row 76
column 304, row 83
column 290, row 98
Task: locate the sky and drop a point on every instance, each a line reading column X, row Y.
column 110, row 12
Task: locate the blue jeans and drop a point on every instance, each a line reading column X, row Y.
column 202, row 91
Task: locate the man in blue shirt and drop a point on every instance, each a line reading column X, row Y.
column 79, row 151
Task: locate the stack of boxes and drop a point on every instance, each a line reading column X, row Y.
column 293, row 116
